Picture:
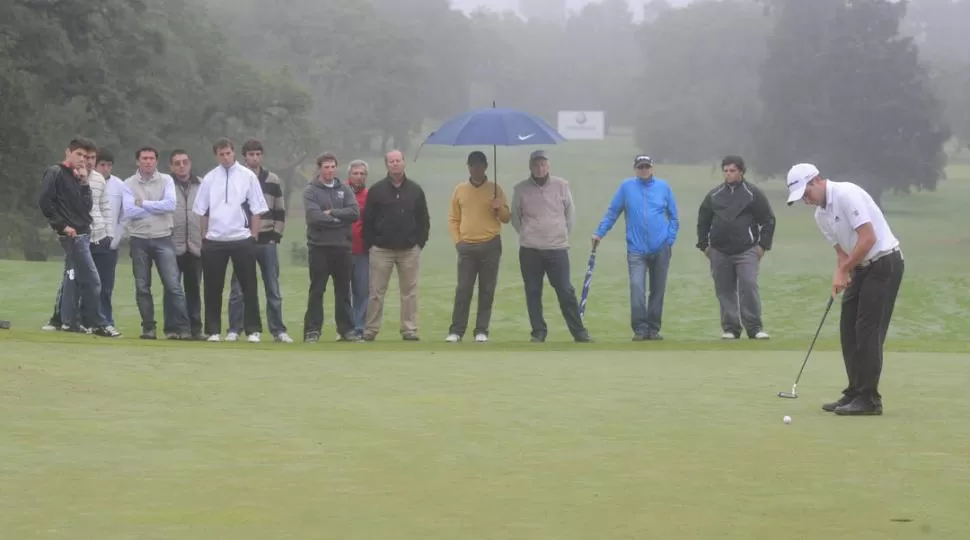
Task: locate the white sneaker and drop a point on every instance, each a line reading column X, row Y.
column 49, row 328
column 453, row 338
column 232, row 336
column 282, row 338
column 214, row 338
column 254, row 337
column 762, row 335
column 481, row 338
column 728, row 335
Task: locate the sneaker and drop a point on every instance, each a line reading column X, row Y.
column 729, row 335
column 311, row 337
column 171, row 335
column 481, row 338
column 349, row 337
column 232, row 336
column 410, row 337
column 199, row 336
column 75, row 329
column 253, row 338
column 453, row 338
column 214, row 338
column 282, row 338
column 148, row 334
column 50, row 327
column 761, row 335
column 107, row 331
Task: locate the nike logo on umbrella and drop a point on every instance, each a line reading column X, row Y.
column 526, row 137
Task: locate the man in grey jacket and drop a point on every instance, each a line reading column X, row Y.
column 331, row 210
column 543, row 215
column 187, row 239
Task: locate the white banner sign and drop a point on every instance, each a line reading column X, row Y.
column 575, row 125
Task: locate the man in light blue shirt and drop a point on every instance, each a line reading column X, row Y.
column 651, row 230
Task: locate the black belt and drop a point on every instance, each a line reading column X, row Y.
column 880, row 255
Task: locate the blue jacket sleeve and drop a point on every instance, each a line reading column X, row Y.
column 612, row 213
column 672, row 215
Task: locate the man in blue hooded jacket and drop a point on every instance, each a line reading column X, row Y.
column 651, row 230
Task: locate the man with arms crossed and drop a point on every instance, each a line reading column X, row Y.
column 543, row 214
column 478, row 210
column 396, row 228
column 65, row 201
column 735, row 227
column 149, row 205
column 331, row 209
column 272, row 224
column 230, row 201
column 187, row 238
column 868, row 273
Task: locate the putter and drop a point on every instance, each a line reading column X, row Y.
column 793, row 394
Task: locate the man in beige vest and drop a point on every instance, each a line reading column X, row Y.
column 149, row 205
column 543, row 214
column 187, row 239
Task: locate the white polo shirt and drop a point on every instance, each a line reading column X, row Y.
column 847, row 207
column 222, row 197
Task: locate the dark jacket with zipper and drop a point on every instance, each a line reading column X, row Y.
column 734, row 218
column 333, row 230
column 397, row 216
column 64, row 201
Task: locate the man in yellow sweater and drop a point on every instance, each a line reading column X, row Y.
column 478, row 210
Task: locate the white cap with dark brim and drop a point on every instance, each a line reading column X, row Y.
column 798, row 178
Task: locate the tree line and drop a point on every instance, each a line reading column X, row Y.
column 873, row 88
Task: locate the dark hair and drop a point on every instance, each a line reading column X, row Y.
column 146, row 149
column 325, row 157
column 105, row 156
column 222, row 143
column 734, row 160
column 177, row 152
column 252, row 145
column 80, row 143
column 477, row 157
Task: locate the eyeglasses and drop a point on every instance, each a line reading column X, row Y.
column 643, row 166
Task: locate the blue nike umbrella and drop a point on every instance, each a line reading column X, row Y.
column 494, row 126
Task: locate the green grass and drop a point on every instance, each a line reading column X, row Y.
column 677, row 439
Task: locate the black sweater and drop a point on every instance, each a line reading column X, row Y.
column 396, row 217
column 733, row 219
column 65, row 201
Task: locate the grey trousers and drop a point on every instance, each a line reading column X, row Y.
column 736, row 285
column 481, row 262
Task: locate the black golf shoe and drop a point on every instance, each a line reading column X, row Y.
column 859, row 406
column 844, row 400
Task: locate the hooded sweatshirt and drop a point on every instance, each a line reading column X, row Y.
column 333, row 230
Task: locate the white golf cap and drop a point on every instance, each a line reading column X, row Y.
column 798, row 178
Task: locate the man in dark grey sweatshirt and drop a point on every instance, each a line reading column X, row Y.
column 331, row 210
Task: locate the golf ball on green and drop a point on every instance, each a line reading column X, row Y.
column 786, row 419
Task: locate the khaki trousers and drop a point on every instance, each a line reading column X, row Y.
column 382, row 262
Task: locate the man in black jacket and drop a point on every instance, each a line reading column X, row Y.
column 735, row 226
column 396, row 228
column 331, row 210
column 66, row 203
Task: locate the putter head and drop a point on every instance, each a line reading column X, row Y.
column 788, row 395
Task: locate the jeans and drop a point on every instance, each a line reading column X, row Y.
column 80, row 279
column 360, row 289
column 326, row 262
column 161, row 252
column 736, row 286
column 535, row 264
column 646, row 314
column 190, row 270
column 215, row 261
column 106, row 261
column 481, row 262
column 268, row 261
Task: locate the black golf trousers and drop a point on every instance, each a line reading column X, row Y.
column 867, row 307
column 326, row 262
column 216, row 256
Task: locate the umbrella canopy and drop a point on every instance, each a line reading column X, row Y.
column 497, row 127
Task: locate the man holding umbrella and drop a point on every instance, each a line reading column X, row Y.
column 543, row 214
column 478, row 210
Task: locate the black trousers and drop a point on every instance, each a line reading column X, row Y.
column 215, row 261
column 481, row 262
column 535, row 265
column 326, row 262
column 867, row 307
column 190, row 269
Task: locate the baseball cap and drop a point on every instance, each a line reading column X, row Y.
column 642, row 159
column 538, row 154
column 477, row 157
column 798, row 178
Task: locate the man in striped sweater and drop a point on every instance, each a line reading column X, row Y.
column 272, row 225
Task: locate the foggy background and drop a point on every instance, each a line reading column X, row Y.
column 876, row 89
